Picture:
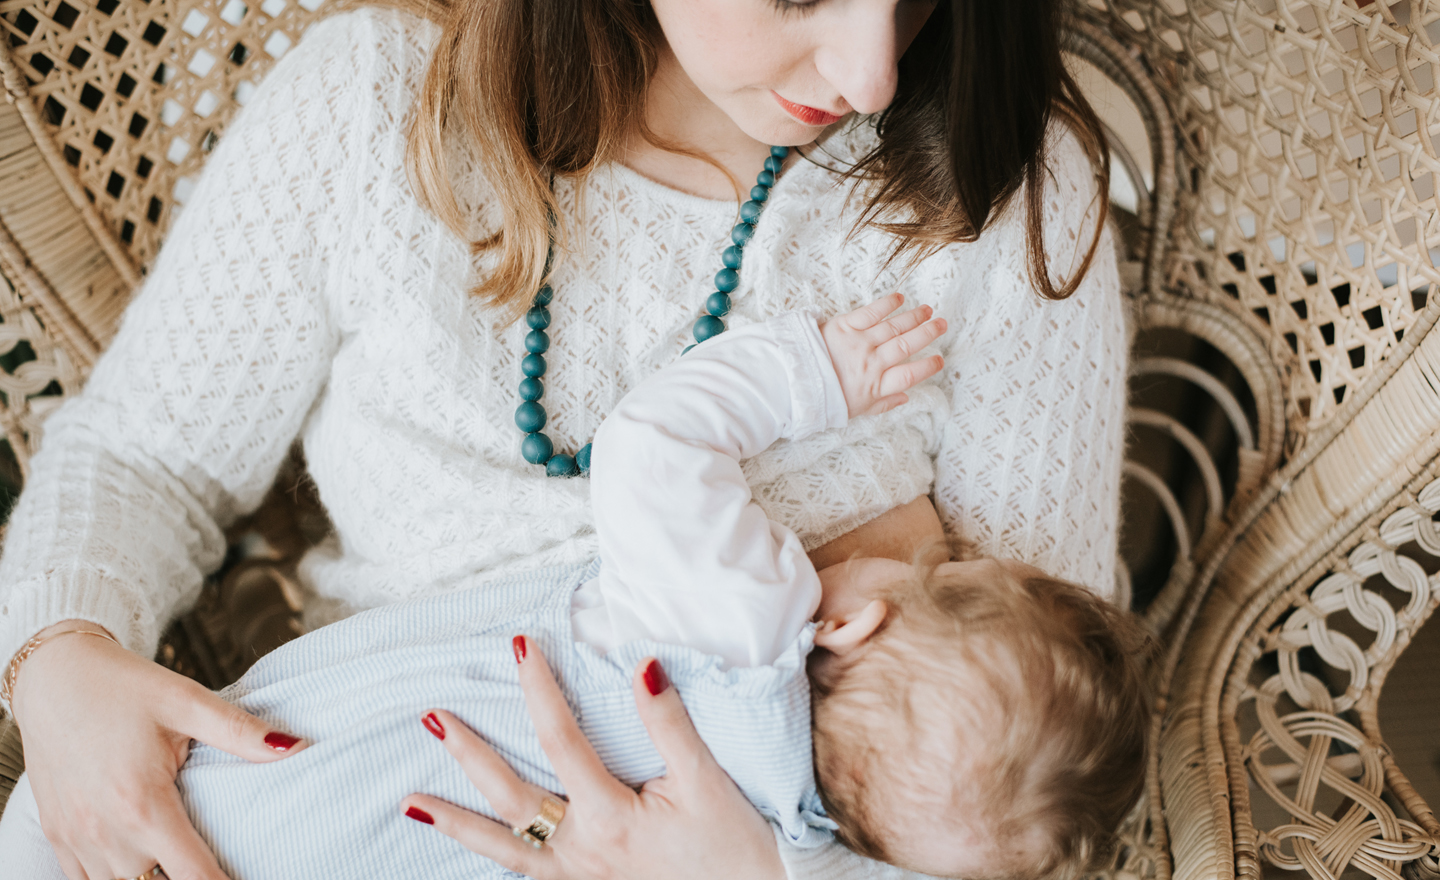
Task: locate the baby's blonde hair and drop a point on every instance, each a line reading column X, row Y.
column 1046, row 676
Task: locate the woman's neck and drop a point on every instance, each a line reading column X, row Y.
column 681, row 117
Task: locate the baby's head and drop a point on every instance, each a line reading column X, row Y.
column 977, row 719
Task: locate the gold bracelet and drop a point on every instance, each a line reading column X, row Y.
column 7, row 683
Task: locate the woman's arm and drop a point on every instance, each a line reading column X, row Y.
column 900, row 533
column 180, row 429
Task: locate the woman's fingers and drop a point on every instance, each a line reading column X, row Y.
column 580, row 770
column 667, row 722
column 482, row 836
column 177, row 846
column 201, row 715
column 513, row 798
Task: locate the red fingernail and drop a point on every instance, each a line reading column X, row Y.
column 432, row 724
column 420, row 815
column 518, row 643
column 280, row 742
column 656, row 681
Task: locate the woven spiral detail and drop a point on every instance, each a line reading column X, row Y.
column 1318, row 737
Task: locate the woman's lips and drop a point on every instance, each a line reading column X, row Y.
column 807, row 115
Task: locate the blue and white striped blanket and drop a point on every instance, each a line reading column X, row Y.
column 357, row 689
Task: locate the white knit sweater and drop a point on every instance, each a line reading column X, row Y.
column 305, row 293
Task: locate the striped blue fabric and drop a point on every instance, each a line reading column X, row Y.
column 357, row 689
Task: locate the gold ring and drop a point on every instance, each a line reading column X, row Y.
column 543, row 826
column 151, row 874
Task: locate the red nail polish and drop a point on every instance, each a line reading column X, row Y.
column 420, row 815
column 518, row 643
column 656, row 681
column 280, row 742
column 432, row 724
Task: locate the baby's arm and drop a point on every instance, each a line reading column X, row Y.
column 687, row 556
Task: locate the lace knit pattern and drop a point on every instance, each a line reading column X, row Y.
column 305, row 293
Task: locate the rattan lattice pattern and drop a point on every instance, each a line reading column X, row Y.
column 36, row 373
column 1307, row 173
column 1318, row 740
column 136, row 94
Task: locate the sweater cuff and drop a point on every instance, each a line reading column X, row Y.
column 817, row 402
column 76, row 594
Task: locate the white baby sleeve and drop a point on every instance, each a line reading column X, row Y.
column 687, row 557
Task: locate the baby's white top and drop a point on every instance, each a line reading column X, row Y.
column 686, row 556
column 305, row 293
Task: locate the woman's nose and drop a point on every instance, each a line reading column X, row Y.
column 860, row 55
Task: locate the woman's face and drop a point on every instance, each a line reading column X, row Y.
column 783, row 71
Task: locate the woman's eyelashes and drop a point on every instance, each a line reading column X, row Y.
column 804, row 7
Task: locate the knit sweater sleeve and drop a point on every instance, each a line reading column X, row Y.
column 1030, row 458
column 218, row 360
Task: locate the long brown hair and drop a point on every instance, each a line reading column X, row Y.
column 555, row 87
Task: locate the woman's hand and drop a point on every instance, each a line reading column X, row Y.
column 692, row 822
column 105, row 732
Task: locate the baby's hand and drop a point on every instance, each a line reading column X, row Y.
column 871, row 353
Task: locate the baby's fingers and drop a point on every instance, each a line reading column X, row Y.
column 904, row 346
column 897, row 325
column 866, row 317
column 897, row 379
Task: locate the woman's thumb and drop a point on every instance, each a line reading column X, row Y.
column 669, row 725
column 213, row 721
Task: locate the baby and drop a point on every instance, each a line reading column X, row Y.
column 973, row 718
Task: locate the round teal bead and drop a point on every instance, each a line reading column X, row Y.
column 708, row 326
column 537, row 342
column 536, row 448
column 750, row 211
column 533, row 366
column 538, row 318
column 773, row 164
column 544, row 295
column 758, row 194
column 531, row 389
column 741, row 234
column 731, row 257
column 562, row 466
column 530, row 416
column 780, row 152
column 727, row 280
column 718, row 304
column 765, row 178
column 582, row 458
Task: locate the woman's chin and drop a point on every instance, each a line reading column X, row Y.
column 772, row 125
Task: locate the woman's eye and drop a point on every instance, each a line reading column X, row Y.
column 802, row 6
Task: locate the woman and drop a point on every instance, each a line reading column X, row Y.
column 319, row 286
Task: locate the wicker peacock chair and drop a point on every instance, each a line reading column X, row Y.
column 1276, row 210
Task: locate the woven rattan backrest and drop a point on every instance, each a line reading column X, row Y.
column 1306, row 208
column 113, row 106
column 134, row 94
column 1307, row 195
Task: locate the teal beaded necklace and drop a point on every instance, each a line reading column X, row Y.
column 537, row 448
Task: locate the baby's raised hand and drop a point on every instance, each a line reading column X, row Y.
column 871, row 349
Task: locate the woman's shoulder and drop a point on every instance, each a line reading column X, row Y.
column 367, row 48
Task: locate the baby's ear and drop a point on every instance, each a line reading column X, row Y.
column 843, row 635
